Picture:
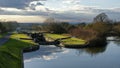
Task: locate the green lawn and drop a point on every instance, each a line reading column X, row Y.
column 71, row 41
column 55, row 36
column 10, row 52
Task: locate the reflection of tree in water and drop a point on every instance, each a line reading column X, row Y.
column 95, row 50
column 79, row 52
column 91, row 50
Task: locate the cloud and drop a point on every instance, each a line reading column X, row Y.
column 20, row 4
column 69, row 10
column 72, row 16
column 71, row 1
column 14, row 11
column 43, row 12
column 41, row 8
column 79, row 14
column 22, row 18
column 33, row 4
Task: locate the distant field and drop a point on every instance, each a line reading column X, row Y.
column 10, row 52
column 71, row 41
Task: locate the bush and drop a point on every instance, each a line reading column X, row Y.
column 56, row 28
column 116, row 28
column 101, row 28
column 86, row 34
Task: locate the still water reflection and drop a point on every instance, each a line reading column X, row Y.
column 55, row 57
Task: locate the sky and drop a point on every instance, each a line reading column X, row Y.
column 63, row 10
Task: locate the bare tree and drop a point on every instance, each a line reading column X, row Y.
column 102, row 17
column 49, row 20
column 55, row 26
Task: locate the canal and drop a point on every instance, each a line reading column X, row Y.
column 54, row 57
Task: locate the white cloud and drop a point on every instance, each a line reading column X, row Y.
column 11, row 9
column 71, row 1
column 22, row 18
column 70, row 10
column 33, row 4
column 75, row 14
column 41, row 8
column 115, row 9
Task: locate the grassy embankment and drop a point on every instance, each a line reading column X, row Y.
column 70, row 41
column 10, row 52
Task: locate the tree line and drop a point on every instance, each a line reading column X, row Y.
column 95, row 31
column 8, row 26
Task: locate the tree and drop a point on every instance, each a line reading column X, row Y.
column 8, row 26
column 101, row 28
column 49, row 20
column 116, row 28
column 81, row 25
column 101, row 24
column 86, row 34
column 54, row 26
column 67, row 26
column 2, row 28
column 101, row 18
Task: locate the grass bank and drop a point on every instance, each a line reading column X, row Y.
column 70, row 41
column 10, row 52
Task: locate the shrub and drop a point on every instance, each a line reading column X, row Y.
column 86, row 34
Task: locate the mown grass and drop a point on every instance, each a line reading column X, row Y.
column 73, row 41
column 70, row 41
column 10, row 52
column 55, row 36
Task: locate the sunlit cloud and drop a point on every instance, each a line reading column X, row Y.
column 65, row 10
column 22, row 18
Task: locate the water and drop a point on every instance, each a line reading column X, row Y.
column 55, row 57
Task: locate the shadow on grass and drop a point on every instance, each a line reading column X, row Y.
column 10, row 53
